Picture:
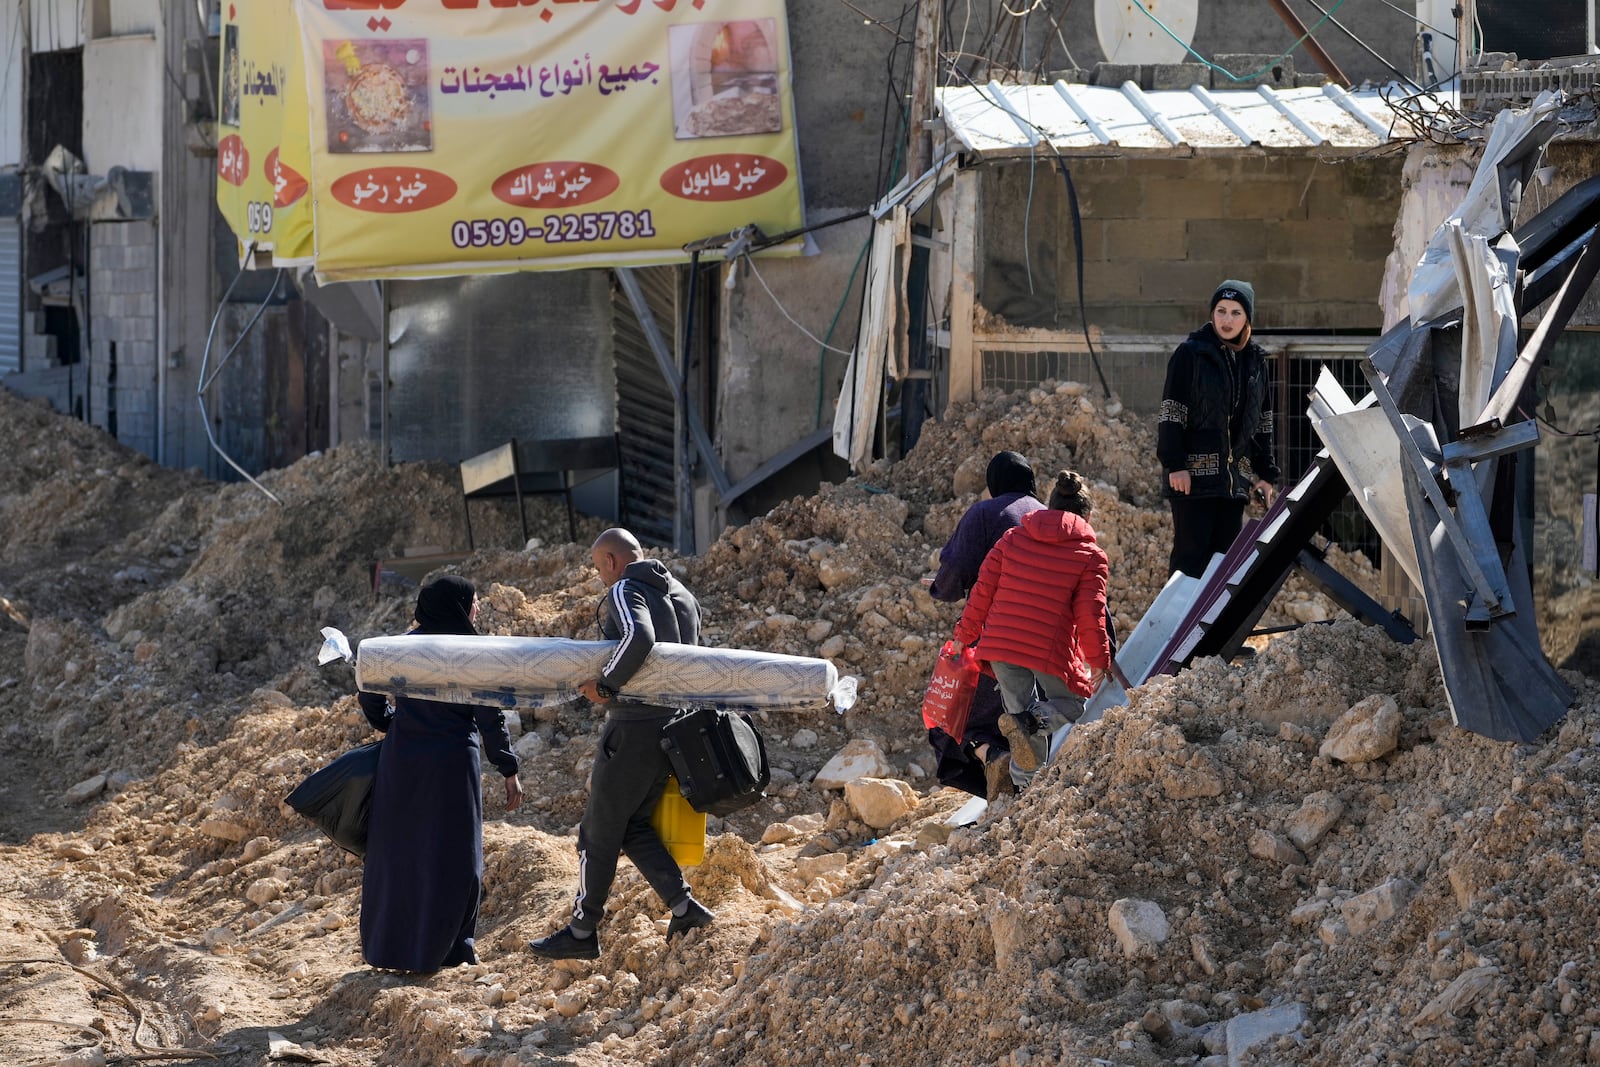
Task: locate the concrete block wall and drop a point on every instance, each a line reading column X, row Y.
column 1159, row 234
column 122, row 296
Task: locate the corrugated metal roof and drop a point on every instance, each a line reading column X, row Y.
column 1010, row 120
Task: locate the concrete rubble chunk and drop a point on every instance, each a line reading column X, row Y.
column 859, row 758
column 811, row 868
column 1254, row 1027
column 1376, row 906
column 1467, row 987
column 1140, row 926
column 1370, row 730
column 224, row 829
column 1317, row 815
column 1011, row 927
column 1200, row 950
column 1266, row 845
column 789, row 829
column 85, row 790
column 879, row 802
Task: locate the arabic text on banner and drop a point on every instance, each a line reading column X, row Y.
column 263, row 141
column 452, row 137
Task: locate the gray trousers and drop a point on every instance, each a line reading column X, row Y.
column 630, row 773
column 1058, row 707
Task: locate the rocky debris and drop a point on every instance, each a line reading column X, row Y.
column 1140, row 926
column 1254, row 1028
column 879, row 802
column 1368, row 731
column 861, row 758
column 1427, row 904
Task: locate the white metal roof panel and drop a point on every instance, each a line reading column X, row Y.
column 1009, row 120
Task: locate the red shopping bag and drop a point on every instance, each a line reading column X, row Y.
column 950, row 691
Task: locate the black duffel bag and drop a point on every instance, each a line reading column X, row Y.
column 719, row 758
column 338, row 797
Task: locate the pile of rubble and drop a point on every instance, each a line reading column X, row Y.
column 1294, row 860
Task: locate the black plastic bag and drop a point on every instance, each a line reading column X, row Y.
column 338, row 798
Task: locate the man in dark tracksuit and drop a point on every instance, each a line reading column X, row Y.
column 644, row 604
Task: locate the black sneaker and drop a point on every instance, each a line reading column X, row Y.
column 1027, row 748
column 697, row 916
column 564, row 945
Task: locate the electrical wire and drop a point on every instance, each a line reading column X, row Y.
column 205, row 382
column 1413, row 15
column 750, row 262
column 1227, row 73
column 882, row 24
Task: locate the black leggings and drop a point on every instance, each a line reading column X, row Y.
column 1201, row 527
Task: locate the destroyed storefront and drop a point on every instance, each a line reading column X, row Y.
column 1065, row 267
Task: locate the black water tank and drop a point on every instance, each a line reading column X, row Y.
column 1560, row 27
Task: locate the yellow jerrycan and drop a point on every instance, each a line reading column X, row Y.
column 682, row 829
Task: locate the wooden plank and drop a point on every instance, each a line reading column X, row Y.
column 964, row 369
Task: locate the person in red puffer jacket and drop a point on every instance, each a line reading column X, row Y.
column 1037, row 616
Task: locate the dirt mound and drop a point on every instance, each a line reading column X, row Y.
column 1191, row 870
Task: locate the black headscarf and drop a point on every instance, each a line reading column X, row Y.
column 1009, row 473
column 445, row 606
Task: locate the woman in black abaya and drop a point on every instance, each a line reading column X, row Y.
column 424, row 863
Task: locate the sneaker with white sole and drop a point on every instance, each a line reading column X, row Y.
column 1028, row 748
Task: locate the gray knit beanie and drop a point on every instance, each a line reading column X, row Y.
column 1234, row 289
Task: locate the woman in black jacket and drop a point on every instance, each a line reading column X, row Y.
column 1216, row 410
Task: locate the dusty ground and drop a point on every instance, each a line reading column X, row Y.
column 159, row 696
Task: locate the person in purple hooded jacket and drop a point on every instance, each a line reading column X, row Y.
column 980, row 763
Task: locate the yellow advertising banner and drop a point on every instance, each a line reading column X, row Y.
column 459, row 136
column 263, row 132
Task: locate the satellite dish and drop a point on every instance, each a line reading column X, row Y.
column 1128, row 33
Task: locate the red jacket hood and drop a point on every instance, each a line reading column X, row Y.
column 1048, row 525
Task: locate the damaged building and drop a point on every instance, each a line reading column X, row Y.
column 1085, row 181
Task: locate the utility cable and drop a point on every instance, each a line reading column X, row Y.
column 751, row 263
column 1077, row 229
column 1227, row 73
column 1413, row 15
column 1348, row 32
column 200, row 390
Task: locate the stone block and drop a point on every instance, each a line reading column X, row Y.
column 1317, row 815
column 1186, row 282
column 1265, row 845
column 1324, row 238
column 1184, row 199
column 1224, row 239
column 1372, row 241
column 1142, row 238
column 140, row 257
column 1140, row 926
column 1113, row 75
column 879, row 802
column 1376, row 906
column 1165, row 76
column 1368, row 731
column 1256, row 1027
column 1250, row 69
column 1112, row 197
column 859, row 758
column 1267, row 200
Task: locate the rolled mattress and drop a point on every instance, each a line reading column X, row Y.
column 534, row 672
